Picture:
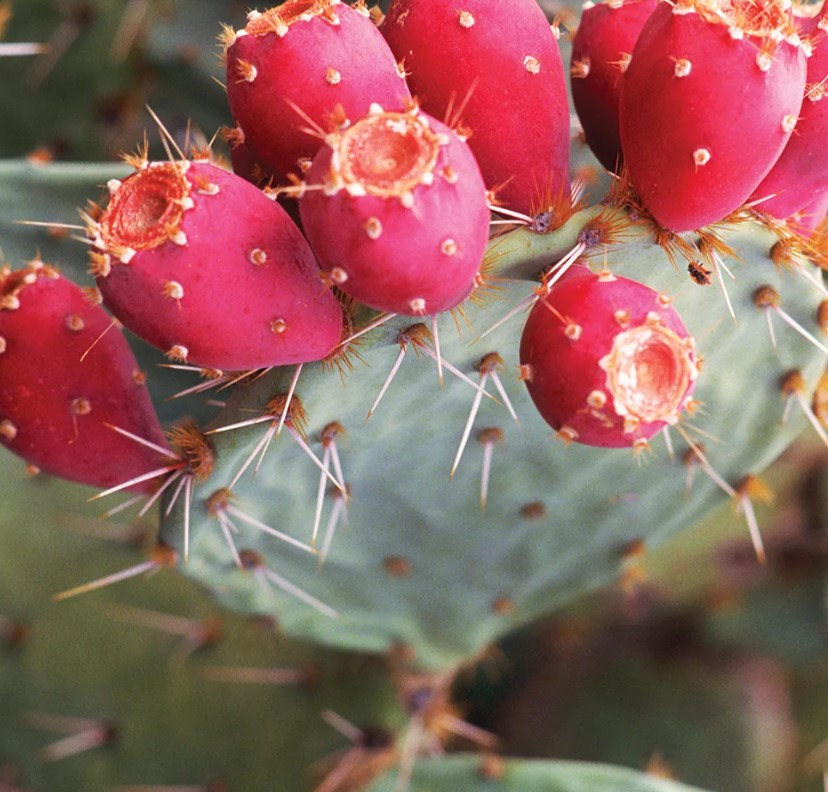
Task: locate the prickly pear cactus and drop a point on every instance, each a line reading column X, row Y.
column 419, row 558
column 402, row 496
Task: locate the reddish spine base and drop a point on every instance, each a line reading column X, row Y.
column 413, row 241
column 242, row 160
column 606, row 361
column 65, row 373
column 684, row 127
column 229, row 283
column 298, row 79
column 808, row 220
column 601, row 51
column 496, row 69
column 800, row 175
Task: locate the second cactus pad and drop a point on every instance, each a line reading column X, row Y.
column 445, row 564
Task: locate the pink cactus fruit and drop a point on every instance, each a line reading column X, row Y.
column 395, row 209
column 800, row 174
column 708, row 102
column 65, row 373
column 601, row 51
column 291, row 66
column 495, row 68
column 201, row 264
column 607, row 361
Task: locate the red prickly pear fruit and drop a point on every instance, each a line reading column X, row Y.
column 707, row 76
column 607, row 361
column 601, row 51
column 395, row 209
column 494, row 67
column 293, row 65
column 800, row 174
column 65, row 373
column 201, row 264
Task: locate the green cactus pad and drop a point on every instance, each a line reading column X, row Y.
column 469, row 774
column 49, row 194
column 420, row 563
column 87, row 658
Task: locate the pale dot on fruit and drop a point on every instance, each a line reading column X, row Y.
column 597, row 399
column 532, row 64
column 74, row 323
column 622, row 317
column 258, row 257
column 701, row 156
column 173, row 290
column 573, row 331
column 449, row 247
column 8, row 430
column 683, row 67
column 373, row 227
column 81, row 406
column 466, row 19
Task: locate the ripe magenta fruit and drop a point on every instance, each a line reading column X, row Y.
column 800, row 174
column 290, row 67
column 606, row 360
column 201, row 264
column 494, row 67
column 706, row 77
column 65, row 373
column 395, row 209
column 601, row 52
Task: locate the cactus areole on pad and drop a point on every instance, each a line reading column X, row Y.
column 204, row 266
column 395, row 209
column 606, row 360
